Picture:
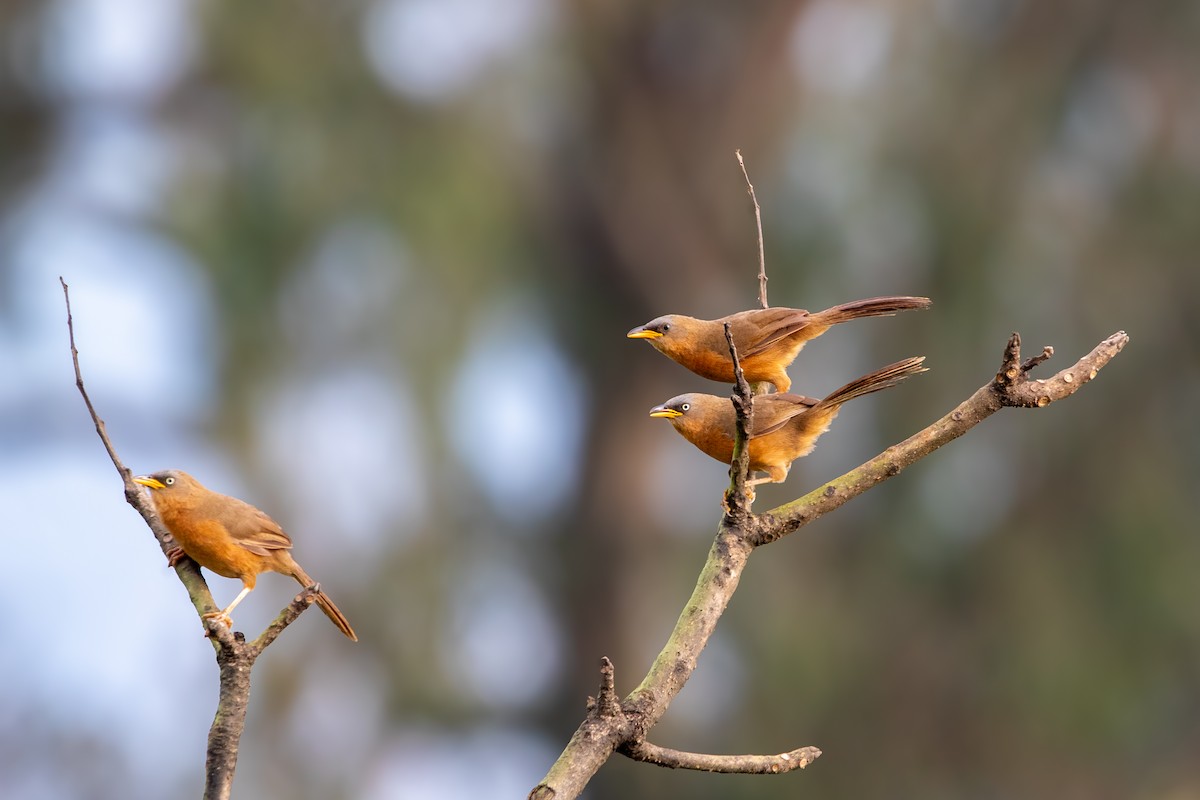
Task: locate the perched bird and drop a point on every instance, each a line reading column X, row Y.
column 767, row 339
column 784, row 426
column 229, row 537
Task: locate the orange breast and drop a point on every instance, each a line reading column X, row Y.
column 709, row 364
column 209, row 544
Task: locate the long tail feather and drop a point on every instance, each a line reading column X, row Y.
column 871, row 307
column 326, row 604
column 883, row 378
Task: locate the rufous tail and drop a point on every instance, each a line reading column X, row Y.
column 879, row 379
column 325, row 604
column 871, row 307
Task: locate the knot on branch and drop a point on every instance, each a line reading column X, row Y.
column 605, row 704
column 1015, row 388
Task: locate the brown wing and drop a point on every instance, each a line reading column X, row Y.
column 249, row 527
column 757, row 330
column 773, row 411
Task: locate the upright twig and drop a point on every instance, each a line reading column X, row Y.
column 762, row 256
column 235, row 657
column 737, row 497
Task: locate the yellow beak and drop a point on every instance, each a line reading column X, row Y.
column 153, row 483
column 665, row 413
column 642, row 333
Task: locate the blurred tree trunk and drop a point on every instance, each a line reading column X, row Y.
column 650, row 211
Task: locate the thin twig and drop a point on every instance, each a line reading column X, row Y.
column 126, row 475
column 1010, row 388
column 706, row 762
column 186, row 569
column 290, row 613
column 1030, row 363
column 762, row 256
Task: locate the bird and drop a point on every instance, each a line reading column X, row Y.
column 767, row 339
column 228, row 536
column 784, row 426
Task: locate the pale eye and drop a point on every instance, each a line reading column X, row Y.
column 684, row 407
column 169, row 481
column 666, row 327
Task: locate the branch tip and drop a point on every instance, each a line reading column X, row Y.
column 705, row 762
column 1015, row 389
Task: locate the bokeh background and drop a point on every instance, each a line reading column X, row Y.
column 369, row 265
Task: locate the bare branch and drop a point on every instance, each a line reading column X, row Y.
column 762, row 256
column 746, row 764
column 100, row 427
column 594, row 742
column 234, row 660
column 1009, row 388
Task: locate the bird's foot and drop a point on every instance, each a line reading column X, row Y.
column 748, row 496
column 220, row 617
column 175, row 555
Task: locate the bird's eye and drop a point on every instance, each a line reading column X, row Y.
column 666, row 326
column 169, row 481
column 685, row 407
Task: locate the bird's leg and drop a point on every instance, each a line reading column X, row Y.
column 223, row 614
column 775, row 474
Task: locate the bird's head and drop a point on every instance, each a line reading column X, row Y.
column 168, row 481
column 696, row 412
column 704, row 420
column 667, row 332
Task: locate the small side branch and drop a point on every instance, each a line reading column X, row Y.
column 737, row 497
column 762, row 256
column 704, row 762
column 290, row 613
